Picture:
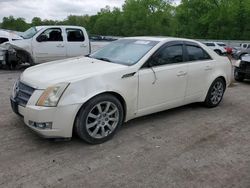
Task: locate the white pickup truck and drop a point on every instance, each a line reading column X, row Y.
column 47, row 43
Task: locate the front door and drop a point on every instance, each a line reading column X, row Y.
column 162, row 82
column 49, row 46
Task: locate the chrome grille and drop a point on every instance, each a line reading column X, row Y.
column 23, row 93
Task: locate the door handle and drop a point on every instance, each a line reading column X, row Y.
column 181, row 73
column 60, row 46
column 208, row 68
column 83, row 45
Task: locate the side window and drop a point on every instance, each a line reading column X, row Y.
column 209, row 44
column 168, row 55
column 51, row 35
column 2, row 40
column 75, row 35
column 196, row 53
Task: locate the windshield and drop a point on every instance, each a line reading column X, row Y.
column 29, row 33
column 124, row 51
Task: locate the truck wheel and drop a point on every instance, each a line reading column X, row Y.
column 215, row 93
column 99, row 119
column 238, row 76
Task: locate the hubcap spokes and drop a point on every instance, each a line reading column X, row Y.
column 102, row 119
column 217, row 93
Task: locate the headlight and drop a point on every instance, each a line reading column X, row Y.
column 52, row 95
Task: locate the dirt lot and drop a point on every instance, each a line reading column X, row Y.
column 191, row 146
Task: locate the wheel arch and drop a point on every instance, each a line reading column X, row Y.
column 115, row 94
column 216, row 77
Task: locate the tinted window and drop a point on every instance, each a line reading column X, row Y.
column 209, row 44
column 196, row 53
column 221, row 44
column 2, row 40
column 168, row 55
column 52, row 35
column 75, row 35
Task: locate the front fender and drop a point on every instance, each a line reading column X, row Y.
column 82, row 91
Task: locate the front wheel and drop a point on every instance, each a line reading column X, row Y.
column 99, row 119
column 215, row 93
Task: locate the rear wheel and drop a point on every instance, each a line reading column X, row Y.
column 99, row 119
column 215, row 93
column 238, row 76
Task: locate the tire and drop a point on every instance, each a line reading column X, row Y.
column 99, row 119
column 239, row 77
column 215, row 93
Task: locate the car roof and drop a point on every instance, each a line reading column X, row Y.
column 63, row 26
column 161, row 38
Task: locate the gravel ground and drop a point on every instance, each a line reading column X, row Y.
column 190, row 146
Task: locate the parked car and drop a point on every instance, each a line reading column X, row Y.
column 6, row 36
column 46, row 43
column 127, row 78
column 245, row 45
column 217, row 47
column 242, row 69
column 228, row 49
column 242, row 52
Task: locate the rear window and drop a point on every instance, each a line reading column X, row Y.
column 75, row 35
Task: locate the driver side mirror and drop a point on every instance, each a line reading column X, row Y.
column 42, row 38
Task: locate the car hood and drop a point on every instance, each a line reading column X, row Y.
column 67, row 70
column 246, row 58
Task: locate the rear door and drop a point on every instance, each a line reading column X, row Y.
column 49, row 45
column 200, row 67
column 77, row 42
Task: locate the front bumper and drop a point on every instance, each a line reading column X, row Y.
column 62, row 118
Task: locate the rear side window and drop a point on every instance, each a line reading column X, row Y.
column 209, row 44
column 196, row 53
column 75, row 35
column 2, row 40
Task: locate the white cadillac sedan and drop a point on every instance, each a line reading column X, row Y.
column 128, row 78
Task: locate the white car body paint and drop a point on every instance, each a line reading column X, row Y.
column 41, row 52
column 11, row 36
column 216, row 46
column 144, row 93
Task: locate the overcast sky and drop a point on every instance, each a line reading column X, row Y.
column 53, row 9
